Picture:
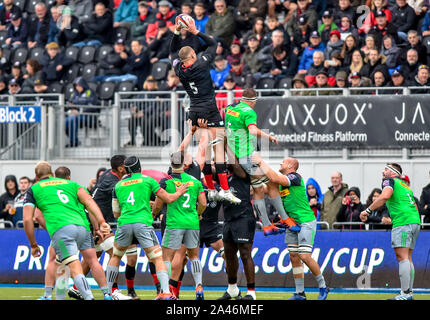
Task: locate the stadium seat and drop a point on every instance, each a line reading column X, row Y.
column 122, row 33
column 93, row 86
column 20, row 55
column 72, row 53
column 284, row 83
column 87, row 54
column 106, row 90
column 266, row 83
column 426, row 43
column 68, row 91
column 103, row 51
column 55, row 87
column 125, row 86
column 20, row 3
column 89, row 71
column 29, row 7
column 73, row 72
column 3, row 35
column 160, row 70
column 7, row 53
column 37, row 54
column 50, row 3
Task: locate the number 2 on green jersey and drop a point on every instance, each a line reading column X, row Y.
column 186, row 204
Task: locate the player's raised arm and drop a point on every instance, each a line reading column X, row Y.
column 261, row 134
column 272, row 175
column 212, row 43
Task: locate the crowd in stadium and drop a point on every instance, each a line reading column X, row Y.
column 339, row 203
column 303, row 43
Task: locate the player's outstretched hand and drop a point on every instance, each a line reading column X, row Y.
column 192, row 27
column 105, row 228
column 35, row 251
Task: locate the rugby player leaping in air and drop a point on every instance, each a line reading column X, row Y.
column 194, row 73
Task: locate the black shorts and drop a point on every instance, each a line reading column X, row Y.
column 212, row 116
column 210, row 232
column 240, row 230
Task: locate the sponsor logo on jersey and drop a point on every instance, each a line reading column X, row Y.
column 52, row 183
column 129, row 182
column 179, row 183
column 284, row 192
column 233, row 113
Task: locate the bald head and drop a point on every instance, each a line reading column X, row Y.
column 289, row 165
column 186, row 54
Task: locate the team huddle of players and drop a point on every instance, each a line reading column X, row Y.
column 125, row 195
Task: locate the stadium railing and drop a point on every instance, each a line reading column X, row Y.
column 163, row 125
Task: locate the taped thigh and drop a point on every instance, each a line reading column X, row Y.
column 107, row 244
column 131, row 251
column 70, row 259
column 157, row 252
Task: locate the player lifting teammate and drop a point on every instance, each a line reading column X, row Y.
column 406, row 224
column 194, row 73
column 242, row 131
column 295, row 202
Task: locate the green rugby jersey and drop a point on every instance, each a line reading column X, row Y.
column 295, row 200
column 182, row 213
column 58, row 200
column 401, row 205
column 238, row 117
column 133, row 194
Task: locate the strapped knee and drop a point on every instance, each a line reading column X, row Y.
column 70, row 259
column 131, row 251
column 106, row 245
column 298, row 270
column 118, row 252
column 259, row 182
column 293, row 248
column 156, row 253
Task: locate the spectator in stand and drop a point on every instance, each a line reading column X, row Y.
column 220, row 71
column 425, row 27
column 166, row 14
column 333, row 65
column 55, row 64
column 7, row 10
column 126, row 14
column 259, row 30
column 374, row 62
column 304, row 9
column 274, row 7
column 316, row 66
column 315, row 197
column 403, row 18
column 347, row 28
column 334, row 45
column 349, row 46
column 17, row 31
column 344, row 9
column 138, row 63
column 236, row 72
column 350, row 209
column 38, row 27
column 246, row 12
column 301, row 37
column 299, row 82
column 221, row 24
column 327, row 27
column 425, row 203
column 7, row 199
column 251, row 63
column 3, row 85
column 187, row 8
column 397, row 80
column 369, row 45
column 173, row 83
column 379, row 79
column 410, row 68
column 144, row 19
column 98, row 29
column 70, row 30
column 357, row 81
column 56, row 12
column 421, row 80
column 82, row 95
column 382, row 28
column 379, row 218
column 113, row 63
column 14, row 87
column 39, row 86
column 341, row 80
column 16, row 213
column 281, row 64
column 221, row 97
column 321, row 82
column 307, row 56
column 235, row 51
column 370, row 21
column 391, row 51
column 413, row 43
column 159, row 48
column 82, row 9
column 273, row 25
column 333, row 198
column 34, row 71
column 201, row 18
column 16, row 73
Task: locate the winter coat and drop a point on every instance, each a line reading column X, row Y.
column 201, row 24
column 50, row 66
column 403, row 18
column 331, row 203
column 100, row 28
column 219, row 76
column 222, row 26
column 392, row 55
column 69, row 36
column 331, row 48
column 43, row 33
column 311, row 16
column 86, row 97
column 319, row 196
column 126, row 12
column 139, row 66
column 140, row 26
column 250, row 61
column 20, row 34
column 82, row 9
column 7, row 197
column 307, row 56
column 425, row 200
column 244, row 13
column 368, row 69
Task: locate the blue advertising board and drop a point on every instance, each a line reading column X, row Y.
column 20, row 114
column 348, row 259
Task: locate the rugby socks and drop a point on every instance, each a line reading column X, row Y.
column 232, row 289
column 222, row 175
column 105, row 290
column 277, row 203
column 48, row 291
column 111, row 274
column 83, row 287
column 207, row 172
column 153, row 273
column 251, row 290
column 300, row 285
column 168, row 266
column 260, row 208
column 196, row 270
column 321, row 281
column 163, row 276
column 130, row 272
column 405, row 274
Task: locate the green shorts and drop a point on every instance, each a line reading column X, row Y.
column 174, row 238
column 405, row 236
column 303, row 241
column 144, row 234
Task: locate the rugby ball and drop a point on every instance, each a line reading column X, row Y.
column 184, row 20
